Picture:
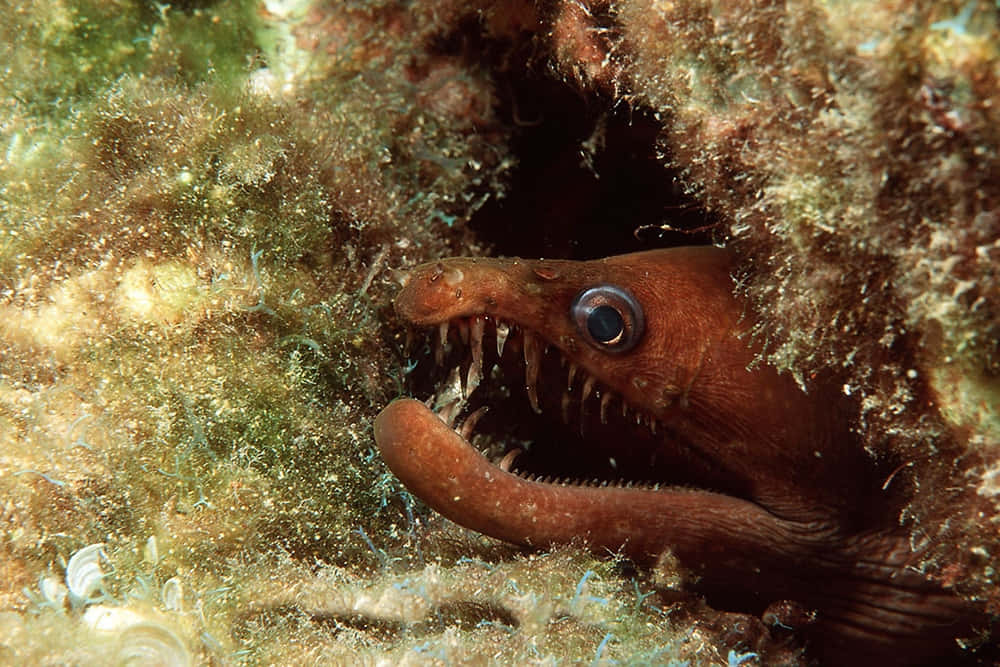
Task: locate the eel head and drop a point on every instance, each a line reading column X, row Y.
column 675, row 441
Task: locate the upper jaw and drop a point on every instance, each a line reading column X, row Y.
column 487, row 339
column 526, row 302
column 441, row 291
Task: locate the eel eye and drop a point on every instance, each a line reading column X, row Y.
column 609, row 317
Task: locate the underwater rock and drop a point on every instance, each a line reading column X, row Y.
column 202, row 206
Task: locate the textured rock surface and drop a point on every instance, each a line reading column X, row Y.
column 201, row 208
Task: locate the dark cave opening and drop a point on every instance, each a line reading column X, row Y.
column 588, row 182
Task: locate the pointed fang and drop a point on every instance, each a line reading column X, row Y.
column 503, row 330
column 442, row 342
column 508, row 459
column 448, row 412
column 469, row 425
column 476, row 367
column 532, row 361
column 605, row 401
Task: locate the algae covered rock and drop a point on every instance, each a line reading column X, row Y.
column 853, row 152
column 202, row 209
column 194, row 265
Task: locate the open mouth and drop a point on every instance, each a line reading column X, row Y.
column 520, row 443
column 532, row 411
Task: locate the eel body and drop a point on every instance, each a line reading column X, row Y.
column 690, row 447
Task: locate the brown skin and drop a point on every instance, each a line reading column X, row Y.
column 797, row 509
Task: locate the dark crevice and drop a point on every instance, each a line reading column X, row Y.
column 590, row 180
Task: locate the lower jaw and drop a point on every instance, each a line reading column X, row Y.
column 443, row 469
column 746, row 558
column 724, row 535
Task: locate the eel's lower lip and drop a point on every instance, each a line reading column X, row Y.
column 444, row 470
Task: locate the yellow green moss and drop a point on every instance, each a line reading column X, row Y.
column 192, row 269
column 200, row 210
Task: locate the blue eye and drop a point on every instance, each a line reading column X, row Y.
column 609, row 318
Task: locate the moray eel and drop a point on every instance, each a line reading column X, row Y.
column 691, row 448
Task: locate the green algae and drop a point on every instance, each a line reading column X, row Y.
column 192, row 272
column 54, row 52
column 199, row 211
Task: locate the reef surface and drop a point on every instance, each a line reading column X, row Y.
column 203, row 210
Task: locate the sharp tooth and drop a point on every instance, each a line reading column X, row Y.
column 652, row 426
column 476, row 367
column 531, row 364
column 605, row 401
column 463, row 331
column 588, row 386
column 570, row 376
column 564, row 404
column 442, row 341
column 448, row 412
column 449, row 396
column 508, row 459
column 503, row 330
column 470, row 423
